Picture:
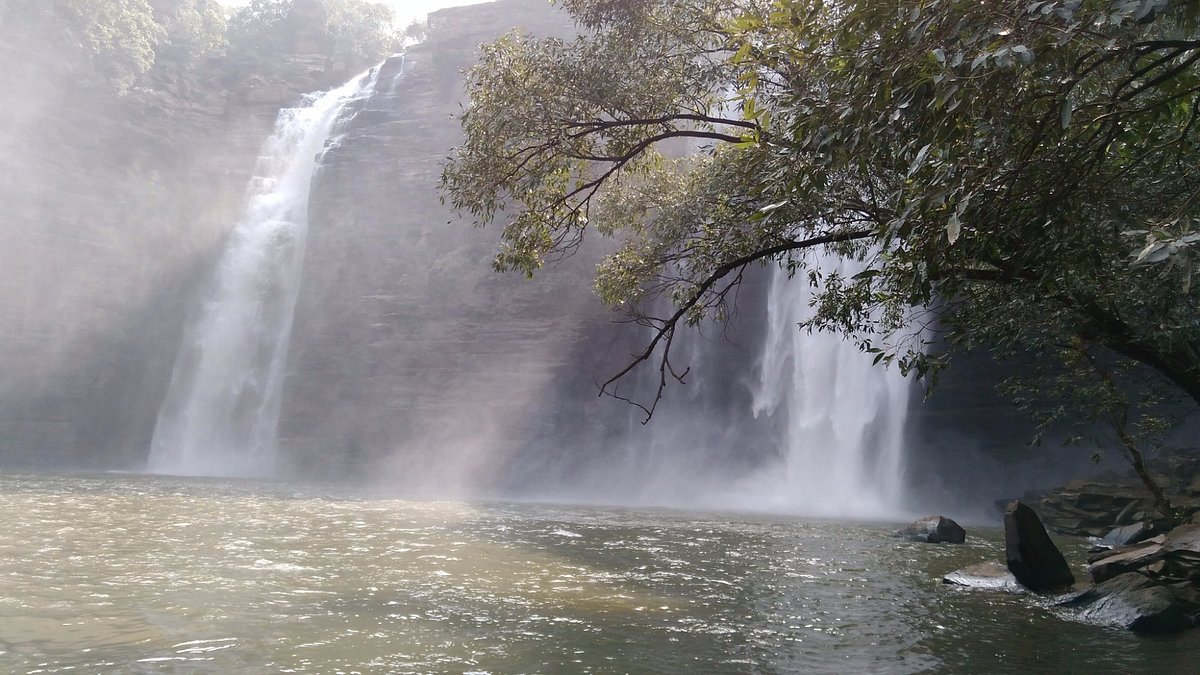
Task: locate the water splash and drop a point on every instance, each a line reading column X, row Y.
column 842, row 418
column 221, row 412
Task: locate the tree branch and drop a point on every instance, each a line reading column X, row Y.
column 590, row 127
column 665, row 331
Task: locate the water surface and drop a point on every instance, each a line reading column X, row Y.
column 148, row 574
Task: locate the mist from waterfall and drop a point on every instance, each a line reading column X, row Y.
column 842, row 418
column 769, row 418
column 221, row 412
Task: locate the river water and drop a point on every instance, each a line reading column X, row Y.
column 139, row 574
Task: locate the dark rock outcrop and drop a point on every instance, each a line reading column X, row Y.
column 934, row 530
column 1127, row 535
column 1137, row 602
column 1151, row 586
column 1031, row 555
column 1095, row 507
column 1116, row 562
column 1181, row 554
column 1090, row 508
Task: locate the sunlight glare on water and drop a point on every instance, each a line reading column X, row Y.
column 151, row 574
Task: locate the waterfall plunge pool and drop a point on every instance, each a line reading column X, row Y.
column 150, row 574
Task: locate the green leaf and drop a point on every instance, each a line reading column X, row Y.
column 953, row 228
column 919, row 159
column 1154, row 252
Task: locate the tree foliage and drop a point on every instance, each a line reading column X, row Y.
column 194, row 29
column 359, row 31
column 125, row 38
column 256, row 29
column 1024, row 170
column 125, row 42
column 120, row 36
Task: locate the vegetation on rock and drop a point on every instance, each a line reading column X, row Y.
column 120, row 35
column 1015, row 175
column 193, row 30
column 358, row 31
column 123, row 41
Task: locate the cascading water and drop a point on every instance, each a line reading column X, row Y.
column 842, row 417
column 221, row 412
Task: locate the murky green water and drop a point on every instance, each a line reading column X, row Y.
column 141, row 574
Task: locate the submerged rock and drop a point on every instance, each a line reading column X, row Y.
column 988, row 576
column 1139, row 603
column 934, row 530
column 1032, row 557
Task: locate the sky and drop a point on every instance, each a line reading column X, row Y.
column 406, row 10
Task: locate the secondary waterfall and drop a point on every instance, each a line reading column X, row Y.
column 221, row 412
column 842, row 418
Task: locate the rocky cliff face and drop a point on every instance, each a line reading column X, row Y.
column 413, row 363
column 113, row 206
column 409, row 355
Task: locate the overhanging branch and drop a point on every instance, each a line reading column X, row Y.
column 664, row 333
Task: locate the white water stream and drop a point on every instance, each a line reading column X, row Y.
column 827, row 438
column 843, row 418
column 221, row 412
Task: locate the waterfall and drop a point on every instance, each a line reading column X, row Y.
column 221, row 411
column 842, row 418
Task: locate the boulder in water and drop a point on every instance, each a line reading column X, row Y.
column 1139, row 603
column 934, row 530
column 988, row 576
column 1032, row 557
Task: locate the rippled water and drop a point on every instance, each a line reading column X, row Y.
column 145, row 574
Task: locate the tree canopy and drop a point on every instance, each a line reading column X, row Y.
column 120, row 35
column 358, row 30
column 1023, row 175
column 125, row 41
